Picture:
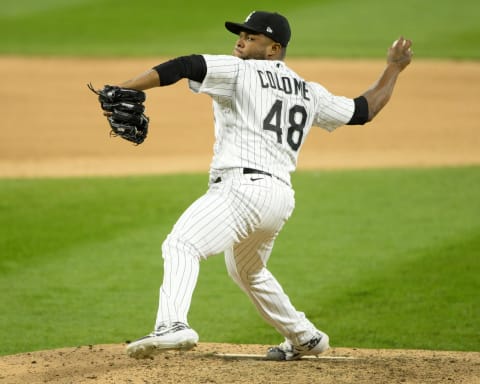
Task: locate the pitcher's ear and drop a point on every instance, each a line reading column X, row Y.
column 275, row 50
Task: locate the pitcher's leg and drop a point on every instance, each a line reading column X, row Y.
column 180, row 274
column 246, row 264
column 206, row 228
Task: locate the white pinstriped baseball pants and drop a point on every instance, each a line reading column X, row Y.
column 240, row 216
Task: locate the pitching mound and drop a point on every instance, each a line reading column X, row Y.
column 224, row 363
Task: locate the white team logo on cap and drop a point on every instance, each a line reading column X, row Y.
column 269, row 30
column 250, row 15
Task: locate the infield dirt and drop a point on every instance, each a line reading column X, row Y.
column 53, row 127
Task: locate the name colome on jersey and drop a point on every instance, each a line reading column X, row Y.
column 285, row 84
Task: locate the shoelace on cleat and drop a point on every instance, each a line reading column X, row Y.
column 165, row 329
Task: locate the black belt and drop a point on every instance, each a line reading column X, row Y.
column 247, row 171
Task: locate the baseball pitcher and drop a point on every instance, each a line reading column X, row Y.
column 263, row 113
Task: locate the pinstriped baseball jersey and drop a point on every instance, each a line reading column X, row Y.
column 263, row 112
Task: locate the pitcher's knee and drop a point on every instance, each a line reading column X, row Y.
column 234, row 275
column 174, row 245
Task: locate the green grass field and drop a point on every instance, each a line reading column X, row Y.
column 378, row 258
column 329, row 28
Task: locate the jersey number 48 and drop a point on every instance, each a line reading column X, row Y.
column 297, row 117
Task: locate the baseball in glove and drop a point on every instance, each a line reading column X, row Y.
column 125, row 112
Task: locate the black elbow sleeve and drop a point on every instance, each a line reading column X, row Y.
column 192, row 67
column 360, row 116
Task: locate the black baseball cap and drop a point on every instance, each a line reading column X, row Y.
column 269, row 24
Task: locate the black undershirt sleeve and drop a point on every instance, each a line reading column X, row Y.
column 192, row 67
column 360, row 116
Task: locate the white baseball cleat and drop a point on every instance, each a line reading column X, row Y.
column 177, row 336
column 288, row 351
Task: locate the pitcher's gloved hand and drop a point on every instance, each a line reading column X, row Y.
column 125, row 111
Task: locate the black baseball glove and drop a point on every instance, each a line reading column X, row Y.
column 125, row 112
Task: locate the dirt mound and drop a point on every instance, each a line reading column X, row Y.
column 242, row 364
column 54, row 127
